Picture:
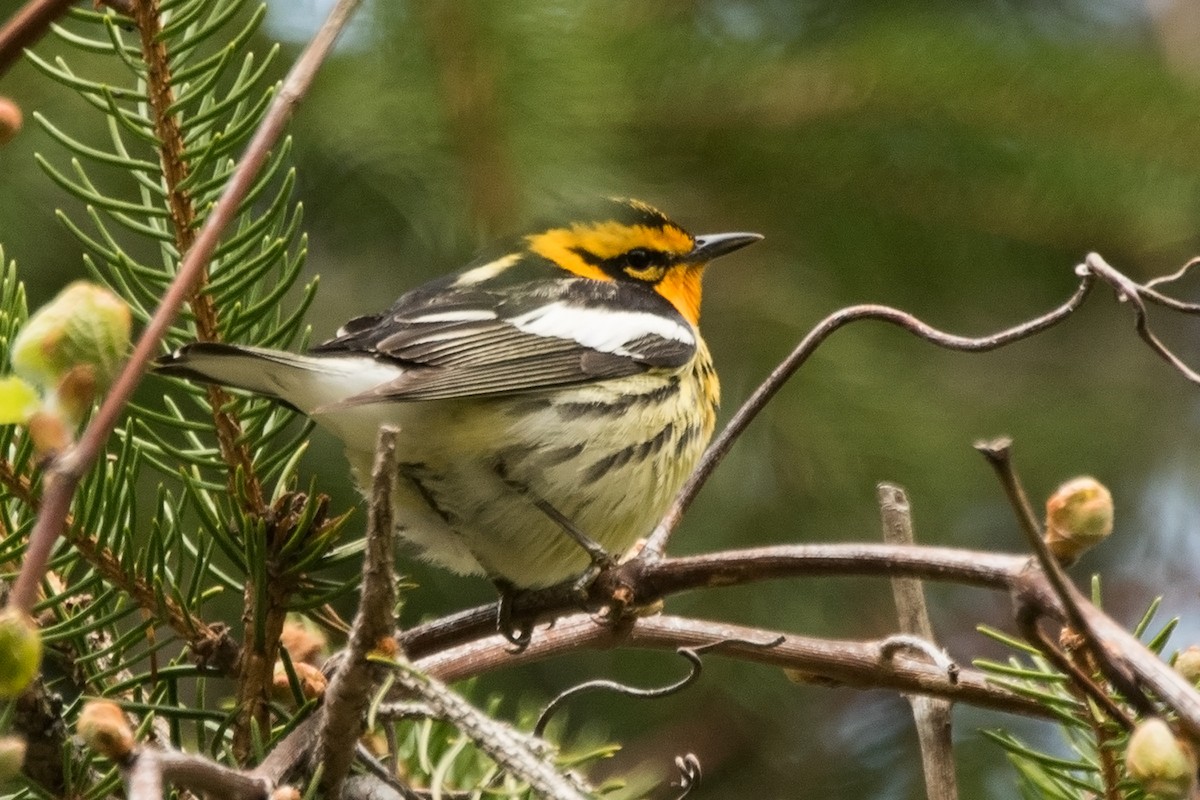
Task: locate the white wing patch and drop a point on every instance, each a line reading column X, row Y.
column 605, row 330
column 486, row 271
column 461, row 315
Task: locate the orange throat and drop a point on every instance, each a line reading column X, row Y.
column 681, row 287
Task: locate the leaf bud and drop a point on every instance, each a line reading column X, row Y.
column 103, row 727
column 49, row 433
column 12, row 757
column 20, row 651
column 10, row 120
column 312, row 682
column 18, row 401
column 1187, row 664
column 303, row 640
column 1079, row 515
column 1159, row 761
column 74, row 344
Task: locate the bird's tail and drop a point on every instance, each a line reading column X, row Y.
column 306, row 382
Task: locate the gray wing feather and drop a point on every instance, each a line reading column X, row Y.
column 451, row 357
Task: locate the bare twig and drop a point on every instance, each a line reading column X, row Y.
column 344, row 714
column 932, row 715
column 1133, row 293
column 143, row 777
column 1093, row 267
column 522, row 755
column 67, row 470
column 207, row 778
column 25, row 27
column 1178, row 274
column 149, row 769
column 657, row 542
column 999, row 455
column 1123, row 660
column 605, row 685
column 859, row 665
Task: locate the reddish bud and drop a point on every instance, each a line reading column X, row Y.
column 103, row 727
column 10, row 120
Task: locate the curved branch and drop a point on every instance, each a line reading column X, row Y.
column 657, row 542
column 860, row 665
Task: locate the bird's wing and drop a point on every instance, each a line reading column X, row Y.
column 473, row 342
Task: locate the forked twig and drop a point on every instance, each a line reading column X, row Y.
column 1136, row 294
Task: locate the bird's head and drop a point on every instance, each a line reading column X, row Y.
column 634, row 242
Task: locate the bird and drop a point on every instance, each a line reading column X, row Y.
column 550, row 400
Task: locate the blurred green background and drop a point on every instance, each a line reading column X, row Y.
column 954, row 159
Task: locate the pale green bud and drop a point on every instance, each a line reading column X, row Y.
column 1163, row 765
column 85, row 326
column 1079, row 515
column 1187, row 663
column 20, row 651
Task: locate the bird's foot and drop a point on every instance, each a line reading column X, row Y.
column 516, row 630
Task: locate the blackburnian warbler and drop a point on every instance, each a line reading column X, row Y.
column 553, row 397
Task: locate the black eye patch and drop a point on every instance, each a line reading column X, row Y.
column 626, row 266
column 639, row 258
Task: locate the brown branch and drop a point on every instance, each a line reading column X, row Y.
column 646, row 582
column 859, row 665
column 932, row 715
column 25, row 27
column 68, row 469
column 171, row 152
column 147, row 770
column 344, row 713
column 1122, row 659
column 1093, row 268
column 1130, row 292
column 716, row 452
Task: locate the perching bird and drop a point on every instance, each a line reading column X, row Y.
column 558, row 394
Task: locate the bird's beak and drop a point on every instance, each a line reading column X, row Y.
column 712, row 245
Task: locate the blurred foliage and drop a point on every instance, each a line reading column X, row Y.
column 953, row 158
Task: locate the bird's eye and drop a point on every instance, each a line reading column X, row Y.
column 638, row 258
